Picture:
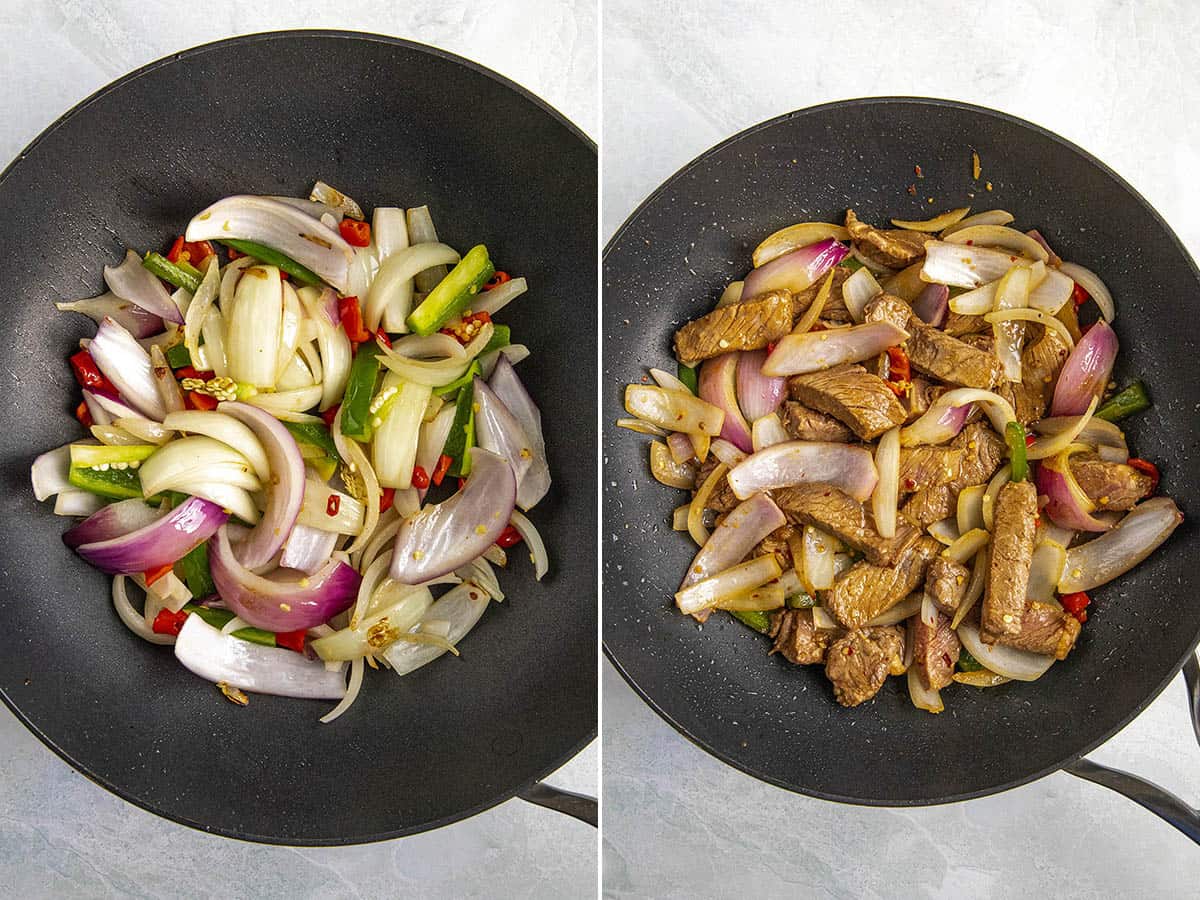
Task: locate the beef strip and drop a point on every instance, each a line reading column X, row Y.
column 834, row 309
column 806, row 424
column 946, row 583
column 796, row 638
column 1008, row 567
column 958, row 325
column 982, row 452
column 859, row 663
column 864, row 591
column 778, row 542
column 740, row 326
column 925, row 466
column 836, row 512
column 1110, row 485
column 1045, row 628
column 851, row 394
column 1041, row 361
column 935, row 651
column 981, row 340
column 893, row 248
column 722, row 499
column 933, row 352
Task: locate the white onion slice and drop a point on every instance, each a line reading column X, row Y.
column 909, row 606
column 1020, row 665
column 797, row 354
column 999, row 237
column 494, row 300
column 988, row 217
column 858, row 290
column 748, row 524
column 970, row 508
column 460, row 608
column 1045, row 571
column 802, row 234
column 673, row 410
column 941, row 422
column 1114, row 553
column 818, row 558
column 1054, row 444
column 227, row 430
column 845, row 466
column 767, row 432
column 887, row 490
column 1090, row 282
column 967, row 545
column 966, row 267
column 710, row 591
column 538, row 554
column 923, row 698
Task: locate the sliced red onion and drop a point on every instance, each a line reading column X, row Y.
column 49, row 472
column 738, row 534
column 443, row 536
column 797, row 354
column 281, row 601
column 717, row 385
column 680, row 446
column 932, row 305
column 113, row 521
column 128, row 315
column 498, row 431
column 159, row 543
column 307, row 549
column 949, row 412
column 1086, row 372
column 508, row 387
column 1111, row 555
column 1067, row 505
column 281, row 227
column 133, row 282
column 459, row 609
column 123, row 361
column 758, row 395
column 844, row 466
column 105, row 410
column 285, row 492
column 795, row 271
column 1052, row 258
column 218, row 657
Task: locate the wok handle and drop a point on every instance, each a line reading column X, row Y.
column 582, row 807
column 1146, row 794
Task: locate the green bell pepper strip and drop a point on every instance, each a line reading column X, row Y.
column 219, row 618
column 801, row 601
column 851, row 263
column 161, row 267
column 91, row 455
column 324, row 466
column 315, row 434
column 501, row 337
column 462, row 432
column 1014, row 435
column 115, row 484
column 274, row 258
column 968, row 663
column 360, row 389
column 1132, row 399
column 755, row 618
column 178, row 356
column 688, row 375
column 466, row 378
column 453, row 293
column 196, row 573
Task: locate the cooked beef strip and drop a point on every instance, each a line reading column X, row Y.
column 806, row 424
column 981, row 340
column 935, row 651
column 1110, row 485
column 893, row 247
column 933, row 352
column 722, row 499
column 1045, row 628
column 859, row 663
column 777, row 542
column 921, row 394
column 796, row 638
column 864, row 591
column 946, row 583
column 925, row 465
column 982, row 452
column 959, row 326
column 1008, row 569
column 836, row 512
column 740, row 326
column 1041, row 361
column 851, row 394
column 834, row 309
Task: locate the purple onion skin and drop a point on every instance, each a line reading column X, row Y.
column 1061, row 507
column 110, row 522
column 717, row 385
column 1086, row 372
column 933, row 304
column 795, row 270
column 758, row 395
column 163, row 541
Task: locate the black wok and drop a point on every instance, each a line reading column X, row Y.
column 669, row 262
column 391, row 123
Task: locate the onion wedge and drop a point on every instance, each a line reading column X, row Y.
column 797, row 354
column 1010, row 662
column 802, row 234
column 1111, row 555
column 673, row 410
column 739, row 533
column 937, row 223
column 709, row 592
column 844, row 466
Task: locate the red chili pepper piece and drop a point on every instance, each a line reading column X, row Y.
column 196, row 400
column 462, row 483
column 352, row 321
column 496, row 280
column 1029, row 439
column 190, row 372
column 463, row 332
column 88, row 374
column 509, row 537
column 167, row 622
column 1076, row 604
column 152, row 575
column 355, row 233
column 1146, row 468
column 234, row 253
column 198, row 251
column 387, row 497
column 330, row 414
column 84, row 415
column 770, row 348
column 382, row 337
column 1079, row 296
column 176, row 249
column 443, row 466
column 291, row 640
column 420, row 478
column 332, row 505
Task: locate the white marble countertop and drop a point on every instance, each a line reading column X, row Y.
column 1112, row 76
column 61, row 835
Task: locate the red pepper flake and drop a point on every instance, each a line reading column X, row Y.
column 771, row 348
column 355, row 233
column 382, row 337
column 84, row 415
column 1146, row 468
column 509, row 537
column 333, row 505
column 1029, row 439
column 420, row 478
column 465, row 331
column 1076, row 604
column 946, row 659
column 496, row 280
column 88, row 374
column 1079, row 296
column 196, row 400
column 912, row 189
column 176, row 249
column 350, row 314
column 387, row 497
column 234, row 253
column 291, row 640
column 971, row 243
column 919, row 173
column 152, row 575
column 443, row 466
column 167, row 622
column 330, row 414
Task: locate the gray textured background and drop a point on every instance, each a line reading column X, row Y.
column 60, row 835
column 1117, row 78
